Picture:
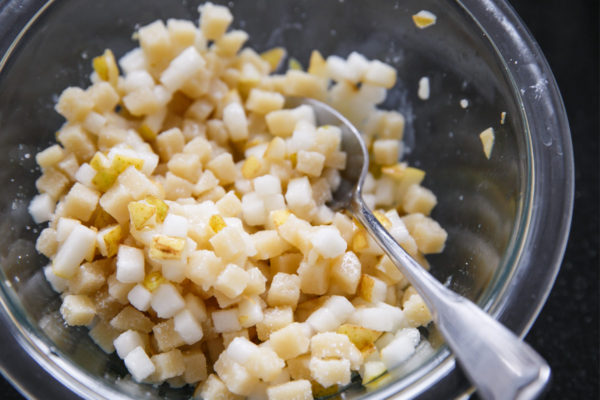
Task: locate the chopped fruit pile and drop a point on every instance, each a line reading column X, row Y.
column 188, row 224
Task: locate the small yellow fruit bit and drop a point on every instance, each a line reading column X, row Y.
column 99, row 162
column 280, row 216
column 362, row 338
column 294, row 64
column 377, row 381
column 360, row 241
column 423, row 19
column 216, row 223
column 166, row 247
column 317, row 65
column 104, row 179
column 140, row 212
column 120, row 163
column 294, row 159
column 394, row 171
column 383, row 220
column 112, row 239
column 102, row 219
column 106, row 67
column 246, row 84
column 146, row 133
column 153, row 280
column 161, row 208
column 252, row 143
column 319, row 390
column 487, row 140
column 273, row 57
column 251, row 167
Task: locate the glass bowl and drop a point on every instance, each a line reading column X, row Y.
column 507, row 217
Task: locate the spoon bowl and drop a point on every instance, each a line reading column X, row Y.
column 495, row 360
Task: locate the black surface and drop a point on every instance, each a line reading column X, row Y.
column 566, row 333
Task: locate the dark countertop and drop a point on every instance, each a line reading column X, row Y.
column 566, row 332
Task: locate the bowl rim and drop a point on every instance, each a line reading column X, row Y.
column 549, row 205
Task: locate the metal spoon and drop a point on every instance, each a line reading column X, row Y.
column 495, row 360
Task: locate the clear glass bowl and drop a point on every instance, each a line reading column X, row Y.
column 507, row 217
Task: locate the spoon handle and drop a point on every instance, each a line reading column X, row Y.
column 495, row 360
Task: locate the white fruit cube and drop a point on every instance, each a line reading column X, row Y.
column 290, row 341
column 226, row 320
column 81, row 202
column 267, row 185
column 188, row 327
column 314, row 277
column 299, row 196
column 229, row 205
column 214, row 20
column 103, row 334
column 213, row 389
column 223, row 168
column 195, row 366
column 46, row 243
column 284, row 290
column 386, row 151
column 274, row 319
column 85, row 175
column 203, row 268
column 335, row 345
column 250, row 311
column 235, row 376
column 418, row 199
column 140, row 297
column 235, row 120
column 130, row 318
column 265, row 364
column 240, row 350
column 310, row 163
column 196, row 306
column 340, row 306
column 89, row 278
column 253, row 209
column 169, row 143
column 374, row 318
column 428, row 234
column 58, row 284
column 232, row 281
column 346, row 272
column 166, row 336
column 175, row 225
column 282, row 122
column 128, row 341
column 297, row 390
column 139, row 364
column 130, row 264
column 168, row 365
column 182, row 68
column 118, row 290
column 71, row 253
column 50, row 156
column 380, row 74
column 269, row 244
column 256, row 282
column 328, row 242
column 401, row 348
column 330, row 372
column 41, row 208
column 167, row 301
column 263, row 102
column 416, row 311
column 77, row 310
